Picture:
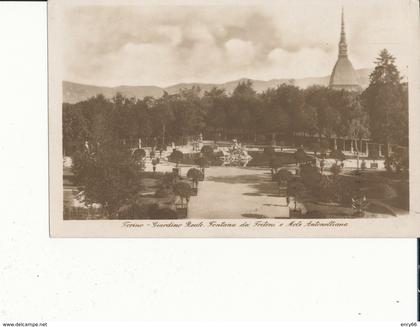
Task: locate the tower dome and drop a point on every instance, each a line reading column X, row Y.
column 343, row 75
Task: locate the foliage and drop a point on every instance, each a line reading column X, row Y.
column 315, row 214
column 134, row 211
column 176, row 156
column 163, row 192
column 195, row 174
column 310, row 176
column 386, row 102
column 283, row 175
column 335, row 169
column 374, row 152
column 380, row 112
column 139, row 154
column 295, row 188
column 337, row 155
column 202, row 161
column 399, row 159
column 328, row 189
column 207, row 151
column 108, row 176
column 169, row 179
column 157, row 212
column 269, row 152
column 183, row 190
column 301, row 156
column 380, row 191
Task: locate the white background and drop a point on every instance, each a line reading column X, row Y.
column 43, row 279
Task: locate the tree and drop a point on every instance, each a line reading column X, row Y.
column 188, row 113
column 270, row 154
column 75, row 126
column 155, row 161
column 283, row 176
column 399, row 159
column 244, row 114
column 386, row 104
column 195, row 175
column 202, row 162
column 215, row 104
column 176, row 156
column 138, row 157
column 337, row 155
column 291, row 99
column 316, row 98
column 327, row 189
column 310, row 176
column 183, row 190
column 301, row 156
column 207, row 151
column 139, row 154
column 335, row 169
column 310, row 120
column 108, row 177
column 358, row 126
column 274, row 118
column 163, row 116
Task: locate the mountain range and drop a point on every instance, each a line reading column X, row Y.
column 75, row 92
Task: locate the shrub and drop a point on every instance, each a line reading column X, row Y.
column 314, row 214
column 207, row 151
column 108, row 177
column 169, row 179
column 310, row 176
column 183, row 190
column 283, row 175
column 133, row 211
column 335, row 169
column 195, row 174
column 202, row 161
column 380, row 191
column 138, row 211
column 165, row 213
column 328, row 190
column 301, row 156
column 337, row 155
column 163, row 192
column 156, row 212
column 139, row 154
column 348, row 188
column 295, row 188
column 399, row 159
column 176, row 156
column 269, row 151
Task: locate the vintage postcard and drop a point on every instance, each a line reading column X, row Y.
column 222, row 118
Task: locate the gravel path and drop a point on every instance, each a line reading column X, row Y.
column 234, row 192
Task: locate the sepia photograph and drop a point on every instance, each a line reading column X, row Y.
column 227, row 115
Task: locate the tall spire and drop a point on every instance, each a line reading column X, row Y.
column 342, row 47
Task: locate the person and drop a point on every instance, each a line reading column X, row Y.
column 322, row 165
column 154, row 163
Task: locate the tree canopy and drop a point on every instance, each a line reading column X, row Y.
column 281, row 113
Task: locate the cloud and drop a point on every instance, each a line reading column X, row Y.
column 163, row 45
column 239, row 52
column 292, row 64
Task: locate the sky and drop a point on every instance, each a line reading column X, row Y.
column 164, row 45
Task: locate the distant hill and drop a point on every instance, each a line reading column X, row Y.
column 74, row 92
